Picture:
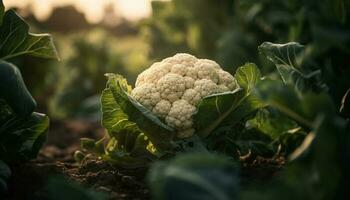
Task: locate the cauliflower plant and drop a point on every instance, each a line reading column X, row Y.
column 172, row 88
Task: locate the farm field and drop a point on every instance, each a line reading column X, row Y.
column 175, row 99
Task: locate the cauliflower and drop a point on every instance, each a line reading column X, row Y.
column 173, row 88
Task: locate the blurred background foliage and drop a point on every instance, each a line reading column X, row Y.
column 227, row 31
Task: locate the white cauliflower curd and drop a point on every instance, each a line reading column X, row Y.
column 172, row 88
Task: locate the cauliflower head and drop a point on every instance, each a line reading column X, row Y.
column 173, row 88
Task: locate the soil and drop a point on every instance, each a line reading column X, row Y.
column 56, row 158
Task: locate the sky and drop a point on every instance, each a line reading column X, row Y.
column 93, row 9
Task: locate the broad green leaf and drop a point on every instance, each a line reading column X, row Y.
column 272, row 122
column 22, row 138
column 247, row 107
column 239, row 141
column 212, row 110
column 193, row 177
column 128, row 146
column 228, row 107
column 290, row 61
column 159, row 133
column 287, row 100
column 248, row 76
column 113, row 118
column 14, row 91
column 287, row 57
column 15, row 39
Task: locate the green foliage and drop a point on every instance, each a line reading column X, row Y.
column 302, row 108
column 236, row 27
column 290, row 62
column 22, row 131
column 301, row 124
column 22, row 138
column 16, row 41
column 137, row 136
column 272, row 122
column 225, row 123
column 195, row 176
column 78, row 81
column 14, row 91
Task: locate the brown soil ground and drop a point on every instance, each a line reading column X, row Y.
column 56, row 158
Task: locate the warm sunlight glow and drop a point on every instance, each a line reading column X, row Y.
column 93, row 9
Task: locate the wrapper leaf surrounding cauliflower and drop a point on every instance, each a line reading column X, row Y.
column 172, row 88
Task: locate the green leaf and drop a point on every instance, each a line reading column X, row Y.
column 248, row 76
column 14, row 91
column 129, row 151
column 128, row 146
column 15, row 39
column 158, row 133
column 212, row 110
column 113, row 117
column 290, row 61
column 228, row 107
column 247, row 107
column 272, row 122
column 22, row 138
column 287, row 57
column 194, row 176
column 304, row 109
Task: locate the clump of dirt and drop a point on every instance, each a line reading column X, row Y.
column 260, row 168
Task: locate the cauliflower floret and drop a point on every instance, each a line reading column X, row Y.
column 182, row 58
column 192, row 72
column 205, row 87
column 206, row 70
column 141, row 79
column 180, row 115
column 156, row 72
column 171, row 87
column 209, row 63
column 146, row 94
column 192, row 96
column 189, row 82
column 162, row 108
column 227, row 79
column 179, row 69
